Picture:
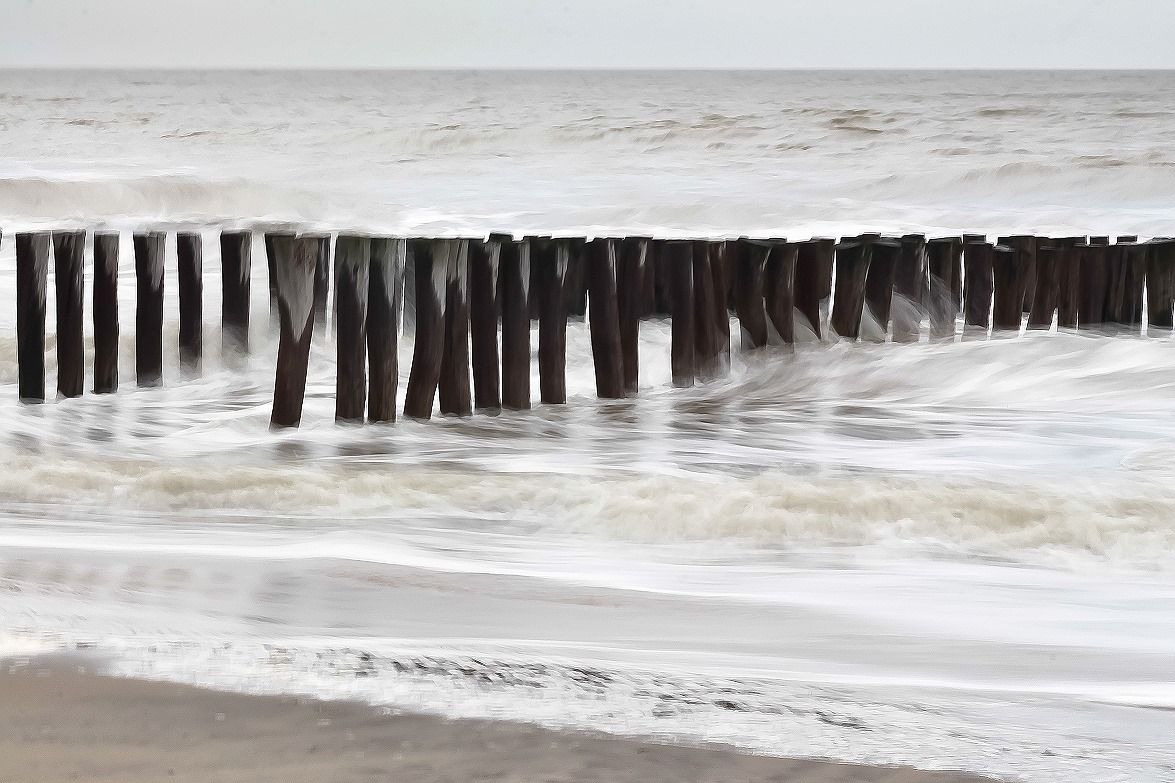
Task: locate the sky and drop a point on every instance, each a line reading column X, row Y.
column 587, row 33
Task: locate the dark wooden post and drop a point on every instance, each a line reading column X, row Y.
column 679, row 269
column 600, row 262
column 631, row 275
column 322, row 283
column 105, row 312
column 575, row 284
column 456, row 398
column 945, row 262
column 977, row 290
column 484, row 259
column 149, row 310
column 190, row 257
column 1069, row 281
column 813, row 280
column 384, row 296
column 1093, row 282
column 32, row 281
column 719, row 257
column 750, row 266
column 514, row 270
column 68, row 247
column 883, row 267
column 707, row 343
column 1160, row 283
column 271, row 264
column 295, row 260
column 352, row 285
column 852, row 268
column 236, row 253
column 1023, row 280
column 1048, row 285
column 430, row 259
column 779, row 288
column 1135, row 262
column 1007, row 294
column 550, row 269
column 912, row 285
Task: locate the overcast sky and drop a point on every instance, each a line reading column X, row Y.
column 589, row 33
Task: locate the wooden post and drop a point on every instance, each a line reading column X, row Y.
column 1093, row 283
column 1069, row 281
column 1007, row 293
column 600, row 262
column 719, row 257
column 149, row 310
column 575, row 286
column 912, row 285
column 384, row 296
column 455, row 396
column 322, row 284
column 550, row 270
column 514, row 268
column 1024, row 280
column 1132, row 297
column 236, row 253
column 68, row 247
column 105, row 312
column 32, row 280
column 190, row 257
column 352, row 285
column 1160, row 284
column 813, row 281
column 679, row 269
column 945, row 262
column 430, row 259
column 779, row 277
column 631, row 274
column 271, row 264
column 750, row 262
column 852, row 268
column 295, row 260
column 708, row 358
column 484, row 259
column 1047, row 292
column 977, row 290
column 879, row 281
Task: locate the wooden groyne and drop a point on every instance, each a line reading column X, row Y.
column 470, row 304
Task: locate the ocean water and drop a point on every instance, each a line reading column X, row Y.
column 952, row 555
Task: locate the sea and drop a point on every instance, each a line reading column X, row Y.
column 951, row 555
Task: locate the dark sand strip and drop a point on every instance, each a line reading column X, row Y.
column 59, row 725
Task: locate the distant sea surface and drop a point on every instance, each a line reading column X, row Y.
column 951, row 555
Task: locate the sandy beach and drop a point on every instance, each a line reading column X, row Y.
column 60, row 721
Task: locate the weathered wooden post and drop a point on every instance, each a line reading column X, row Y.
column 295, row 260
column 431, row 261
column 852, row 268
column 977, row 288
column 149, row 310
column 600, row 262
column 236, row 254
column 483, row 319
column 631, row 275
column 879, row 280
column 945, row 262
column 385, row 294
column 708, row 358
column 1093, row 283
column 514, row 270
column 813, row 280
column 679, row 269
column 750, row 263
column 1160, row 284
column 352, row 286
column 1007, row 292
column 1068, row 281
column 779, row 288
column 32, row 280
column 105, row 312
column 271, row 263
column 322, row 283
column 456, row 398
column 1135, row 262
column 1024, row 281
column 575, row 284
column 718, row 254
column 549, row 260
column 190, row 257
column 1048, row 285
column 68, row 247
column 912, row 285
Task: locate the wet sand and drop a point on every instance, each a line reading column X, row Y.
column 59, row 723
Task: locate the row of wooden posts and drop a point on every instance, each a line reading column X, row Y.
column 459, row 291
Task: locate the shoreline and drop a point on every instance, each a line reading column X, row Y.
column 60, row 720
